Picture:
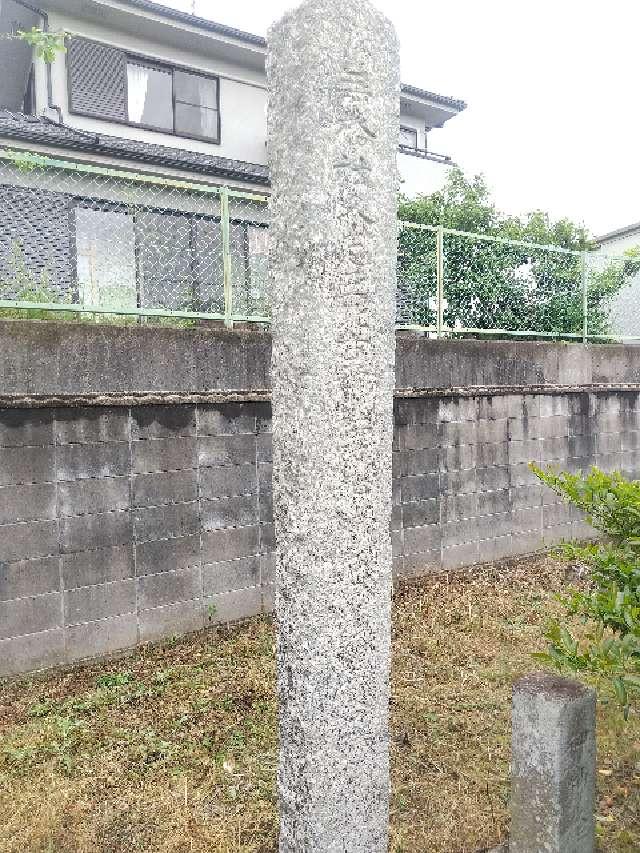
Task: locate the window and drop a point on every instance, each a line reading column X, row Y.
column 408, row 137
column 105, row 257
column 149, row 96
column 196, row 104
column 106, row 82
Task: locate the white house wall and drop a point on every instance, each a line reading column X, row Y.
column 243, row 99
column 242, row 95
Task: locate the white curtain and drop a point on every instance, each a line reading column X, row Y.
column 137, row 85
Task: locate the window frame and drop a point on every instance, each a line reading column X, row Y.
column 414, row 130
column 159, row 65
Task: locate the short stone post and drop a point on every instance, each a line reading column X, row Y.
column 553, row 766
column 333, row 74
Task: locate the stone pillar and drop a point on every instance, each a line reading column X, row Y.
column 333, row 120
column 553, row 766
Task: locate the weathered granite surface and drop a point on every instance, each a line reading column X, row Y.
column 333, row 74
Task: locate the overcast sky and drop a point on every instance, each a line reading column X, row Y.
column 553, row 117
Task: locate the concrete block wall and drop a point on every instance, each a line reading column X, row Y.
column 120, row 525
column 463, row 490
column 135, row 471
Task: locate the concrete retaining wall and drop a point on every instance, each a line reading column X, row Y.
column 135, row 494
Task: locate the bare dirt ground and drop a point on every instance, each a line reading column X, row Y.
column 174, row 747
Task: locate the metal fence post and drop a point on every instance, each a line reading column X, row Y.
column 226, row 258
column 585, row 301
column 440, row 279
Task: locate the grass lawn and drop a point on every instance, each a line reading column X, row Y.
column 173, row 748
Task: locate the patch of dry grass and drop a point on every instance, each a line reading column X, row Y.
column 174, row 747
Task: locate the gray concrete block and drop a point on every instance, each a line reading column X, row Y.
column 458, row 532
column 608, row 442
column 419, row 513
column 265, row 507
column 171, row 620
column 494, row 478
column 456, row 507
column 229, row 512
column 419, row 437
column 458, row 458
column 414, row 565
column 163, row 421
column 86, row 568
column 464, row 409
column 267, row 538
column 416, row 410
column 30, row 615
column 166, row 555
column 396, row 518
column 458, row 556
column 36, row 502
column 87, row 497
column 490, row 503
column 267, row 569
column 553, row 766
column 34, row 651
column 165, row 488
column 171, row 454
column 28, row 540
column 265, row 477
column 91, row 603
column 88, row 532
column 228, row 481
column 94, row 639
column 17, row 466
column 230, row 606
column 91, row 424
column 221, row 545
column 29, row 578
column 524, row 497
column 493, row 431
column 169, row 521
column 524, row 451
column 227, row 419
column 418, row 539
column 264, row 448
column 455, row 482
column 234, row 574
column 581, row 445
column 488, row 455
column 268, row 598
column 26, row 427
column 81, row 461
column 169, row 587
column 420, row 488
column 214, row 451
column 552, row 405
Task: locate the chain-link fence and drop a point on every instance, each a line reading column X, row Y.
column 461, row 284
column 86, row 242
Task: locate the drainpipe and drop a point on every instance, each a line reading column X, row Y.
column 45, row 27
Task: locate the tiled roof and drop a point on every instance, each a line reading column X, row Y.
column 45, row 132
column 433, row 96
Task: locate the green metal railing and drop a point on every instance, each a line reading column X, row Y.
column 106, row 243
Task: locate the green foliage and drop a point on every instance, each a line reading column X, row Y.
column 491, row 284
column 47, row 44
column 24, row 285
column 610, row 605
